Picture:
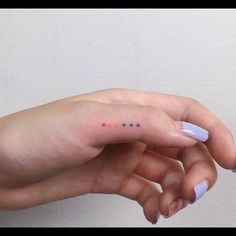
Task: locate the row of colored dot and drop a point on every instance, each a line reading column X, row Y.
column 125, row 125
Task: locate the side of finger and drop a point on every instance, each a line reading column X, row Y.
column 220, row 143
column 119, row 123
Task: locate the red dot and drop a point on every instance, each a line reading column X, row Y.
column 103, row 124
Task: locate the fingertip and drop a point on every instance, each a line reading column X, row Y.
column 222, row 148
column 170, row 202
column 150, row 210
column 228, row 160
column 195, row 191
column 200, row 172
column 164, row 199
column 156, row 218
column 200, row 189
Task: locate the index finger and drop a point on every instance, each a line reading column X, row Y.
column 220, row 143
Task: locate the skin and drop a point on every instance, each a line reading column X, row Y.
column 60, row 150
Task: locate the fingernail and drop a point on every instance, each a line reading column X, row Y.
column 200, row 189
column 157, row 218
column 175, row 206
column 193, row 131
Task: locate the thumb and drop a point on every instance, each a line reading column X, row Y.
column 121, row 123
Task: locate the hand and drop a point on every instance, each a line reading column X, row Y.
column 113, row 141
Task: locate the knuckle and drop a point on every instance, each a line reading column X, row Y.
column 175, row 167
column 152, row 114
column 193, row 102
column 119, row 95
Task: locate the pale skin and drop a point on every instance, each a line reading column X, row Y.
column 61, row 150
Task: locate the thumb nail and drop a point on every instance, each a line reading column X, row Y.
column 193, row 131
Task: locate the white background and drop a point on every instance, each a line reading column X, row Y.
column 50, row 54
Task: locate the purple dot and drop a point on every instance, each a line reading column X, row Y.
column 131, row 125
column 138, row 125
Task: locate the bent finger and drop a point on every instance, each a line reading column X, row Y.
column 169, row 174
column 200, row 172
column 145, row 193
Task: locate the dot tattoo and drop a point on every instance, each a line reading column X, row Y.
column 117, row 125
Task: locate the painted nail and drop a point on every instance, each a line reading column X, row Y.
column 156, row 218
column 200, row 189
column 175, row 206
column 193, row 131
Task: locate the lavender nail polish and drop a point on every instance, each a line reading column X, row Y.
column 200, row 189
column 194, row 131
